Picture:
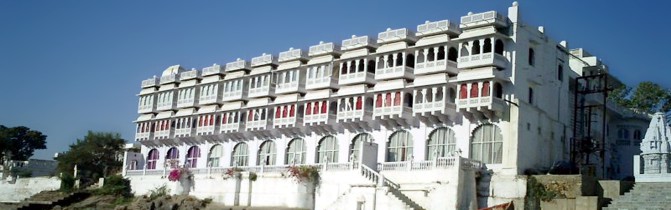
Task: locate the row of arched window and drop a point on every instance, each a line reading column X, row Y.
column 486, row 145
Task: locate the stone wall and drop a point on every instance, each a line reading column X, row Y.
column 22, row 188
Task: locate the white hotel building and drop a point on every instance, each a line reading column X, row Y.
column 432, row 110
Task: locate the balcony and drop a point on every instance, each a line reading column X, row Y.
column 143, row 136
column 357, row 78
column 401, row 34
column 392, row 111
column 193, row 74
column 488, row 103
column 168, row 105
column 183, row 132
column 151, row 82
column 322, row 49
column 321, row 83
column 207, row 99
column 485, row 59
column 287, row 122
column 483, row 19
column 436, row 66
column 263, row 60
column 324, row 118
column 230, row 127
column 169, row 78
column 233, row 95
column 206, row 130
column 164, row 134
column 255, row 125
column 357, row 42
column 145, row 108
column 354, row 115
column 289, row 87
column 438, row 27
column 291, row 54
column 482, row 73
column 435, row 111
column 261, row 91
column 394, row 73
column 187, row 102
column 214, row 69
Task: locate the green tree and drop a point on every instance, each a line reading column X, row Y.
column 97, row 155
column 646, row 97
column 19, row 143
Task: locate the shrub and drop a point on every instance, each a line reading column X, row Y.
column 115, row 185
column 158, row 192
column 67, row 182
column 304, row 173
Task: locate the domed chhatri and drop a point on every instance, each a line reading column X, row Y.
column 655, row 152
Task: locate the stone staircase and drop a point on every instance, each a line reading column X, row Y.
column 392, row 187
column 645, row 195
column 40, row 201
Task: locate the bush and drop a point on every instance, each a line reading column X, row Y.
column 22, row 172
column 158, row 192
column 67, row 182
column 115, row 185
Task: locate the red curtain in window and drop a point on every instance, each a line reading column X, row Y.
column 315, row 108
column 292, row 112
column 387, row 102
column 397, row 100
column 285, row 111
column 162, row 125
column 224, row 118
column 359, row 103
column 200, row 121
column 278, row 112
column 485, row 89
column 378, row 102
column 169, row 124
column 324, row 107
column 211, row 120
column 308, row 109
column 474, row 90
column 250, row 115
column 463, row 91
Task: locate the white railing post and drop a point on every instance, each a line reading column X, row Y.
column 380, row 181
column 144, row 170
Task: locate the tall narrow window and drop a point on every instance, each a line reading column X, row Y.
column 399, row 147
column 250, row 115
column 308, row 108
column 292, row 112
column 463, row 91
column 474, row 90
column 240, row 155
column 315, row 107
column 285, row 111
column 431, row 54
column 498, row 47
column 295, row 152
column 488, row 46
column 192, row 156
column 532, row 57
column 441, row 53
column 172, row 157
column 475, row 50
column 267, row 153
column 397, row 99
column 324, row 107
column 485, row 89
column 152, row 159
column 359, row 103
column 487, row 144
column 560, row 72
column 327, row 150
column 531, row 95
column 378, row 101
column 387, row 101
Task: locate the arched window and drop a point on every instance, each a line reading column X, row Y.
column 623, row 134
column 267, row 153
column 498, row 47
column 387, row 102
column 360, row 68
column 285, row 111
column 431, row 55
column 315, row 107
column 452, row 54
column 463, row 91
column 192, row 156
column 343, row 69
column 172, row 157
column 464, row 50
column 240, row 155
column 250, row 115
column 441, row 143
column 216, row 152
column 327, row 150
column 474, row 90
column 419, row 97
column 390, row 60
column 397, row 99
column 292, row 110
column 439, row 94
column 487, row 144
column 475, row 49
column 498, row 90
column 324, row 107
column 152, row 159
column 352, row 66
column 355, row 147
column 371, row 66
column 380, row 62
column 308, row 108
column 488, row 46
column 295, row 152
column 399, row 147
column 441, row 53
column 485, row 89
column 378, row 101
column 410, row 60
column 560, row 72
column 359, row 103
column 420, row 56
column 532, row 57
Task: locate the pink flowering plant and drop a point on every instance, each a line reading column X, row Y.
column 177, row 172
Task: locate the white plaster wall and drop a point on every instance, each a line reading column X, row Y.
column 26, row 187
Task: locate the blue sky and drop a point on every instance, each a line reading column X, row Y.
column 73, row 66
